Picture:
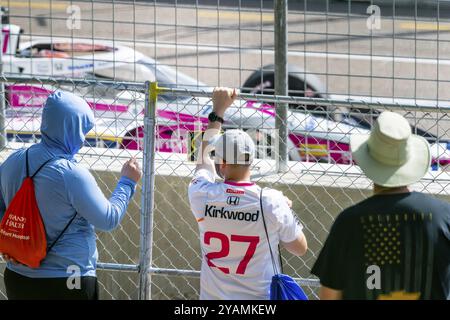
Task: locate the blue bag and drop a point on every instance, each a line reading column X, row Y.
column 282, row 287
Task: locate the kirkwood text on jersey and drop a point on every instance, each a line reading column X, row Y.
column 214, row 212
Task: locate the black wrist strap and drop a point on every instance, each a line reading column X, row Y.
column 214, row 117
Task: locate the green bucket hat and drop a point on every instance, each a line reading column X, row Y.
column 391, row 156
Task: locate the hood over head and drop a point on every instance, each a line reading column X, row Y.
column 66, row 119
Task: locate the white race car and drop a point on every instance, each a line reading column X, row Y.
column 314, row 136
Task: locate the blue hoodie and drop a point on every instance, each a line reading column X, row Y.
column 64, row 188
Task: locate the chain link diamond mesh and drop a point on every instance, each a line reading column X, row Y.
column 118, row 110
column 322, row 179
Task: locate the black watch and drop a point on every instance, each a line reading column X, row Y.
column 214, row 117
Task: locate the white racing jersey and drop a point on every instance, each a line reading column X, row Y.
column 236, row 262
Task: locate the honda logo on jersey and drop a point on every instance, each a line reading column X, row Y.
column 233, row 200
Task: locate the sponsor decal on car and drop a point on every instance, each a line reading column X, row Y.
column 316, row 150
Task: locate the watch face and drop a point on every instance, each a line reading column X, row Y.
column 214, row 117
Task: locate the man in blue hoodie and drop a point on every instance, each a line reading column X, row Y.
column 64, row 190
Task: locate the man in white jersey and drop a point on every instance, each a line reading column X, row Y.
column 236, row 261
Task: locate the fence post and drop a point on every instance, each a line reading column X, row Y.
column 281, row 82
column 148, row 191
column 3, row 136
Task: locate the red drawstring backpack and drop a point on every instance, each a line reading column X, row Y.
column 22, row 232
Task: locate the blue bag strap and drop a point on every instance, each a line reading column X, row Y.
column 274, row 265
column 35, row 173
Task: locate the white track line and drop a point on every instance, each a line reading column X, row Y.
column 341, row 56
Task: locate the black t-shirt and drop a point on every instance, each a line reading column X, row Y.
column 391, row 246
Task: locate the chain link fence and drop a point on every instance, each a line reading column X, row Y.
column 118, row 108
column 321, row 178
column 395, row 49
column 348, row 60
